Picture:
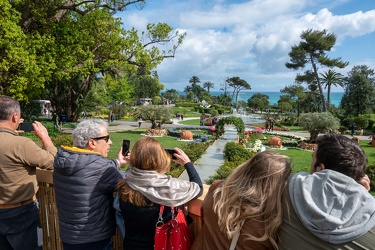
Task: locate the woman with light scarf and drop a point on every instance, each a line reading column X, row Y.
column 146, row 187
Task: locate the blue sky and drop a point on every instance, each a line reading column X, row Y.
column 252, row 39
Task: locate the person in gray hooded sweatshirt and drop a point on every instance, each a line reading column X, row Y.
column 330, row 208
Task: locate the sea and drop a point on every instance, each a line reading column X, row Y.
column 273, row 96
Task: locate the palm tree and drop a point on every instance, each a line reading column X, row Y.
column 330, row 78
column 208, row 85
column 194, row 80
column 195, row 87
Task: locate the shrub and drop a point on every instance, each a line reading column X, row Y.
column 194, row 151
column 214, row 112
column 224, row 171
column 317, row 123
column 119, row 111
column 361, row 122
column 63, row 139
column 207, row 110
column 185, row 104
column 342, row 129
column 236, row 152
column 370, row 171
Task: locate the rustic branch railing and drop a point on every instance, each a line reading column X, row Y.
column 50, row 222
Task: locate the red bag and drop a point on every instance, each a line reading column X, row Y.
column 175, row 234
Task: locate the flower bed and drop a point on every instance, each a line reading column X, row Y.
column 176, row 132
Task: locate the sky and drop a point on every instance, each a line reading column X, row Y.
column 252, row 39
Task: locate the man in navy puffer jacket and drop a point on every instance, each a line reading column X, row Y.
column 84, row 181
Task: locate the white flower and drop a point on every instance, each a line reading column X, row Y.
column 256, row 146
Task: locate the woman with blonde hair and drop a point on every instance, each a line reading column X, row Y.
column 245, row 209
column 146, row 187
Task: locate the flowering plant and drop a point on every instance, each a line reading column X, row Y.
column 255, row 147
column 298, row 138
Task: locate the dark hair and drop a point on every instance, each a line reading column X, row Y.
column 8, row 106
column 342, row 154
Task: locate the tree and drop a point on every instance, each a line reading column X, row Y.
column 117, row 88
column 146, row 86
column 157, row 100
column 194, row 80
column 75, row 42
column 285, row 103
column 359, row 96
column 187, row 89
column 190, row 96
column 317, row 123
column 224, row 98
column 295, row 91
column 195, row 87
column 258, row 101
column 23, row 68
column 237, row 84
column 330, row 78
column 171, row 95
column 157, row 115
column 313, row 50
column 208, row 86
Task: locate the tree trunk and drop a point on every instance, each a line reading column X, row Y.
column 329, row 95
column 313, row 135
column 153, row 124
column 319, row 84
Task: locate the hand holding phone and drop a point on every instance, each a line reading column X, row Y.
column 125, row 147
column 26, row 126
column 171, row 151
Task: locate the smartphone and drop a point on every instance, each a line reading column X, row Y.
column 125, row 147
column 26, row 126
column 171, row 152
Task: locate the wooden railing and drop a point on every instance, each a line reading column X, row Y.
column 50, row 221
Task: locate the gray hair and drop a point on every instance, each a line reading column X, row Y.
column 86, row 130
column 8, row 106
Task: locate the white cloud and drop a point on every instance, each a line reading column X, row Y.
column 251, row 39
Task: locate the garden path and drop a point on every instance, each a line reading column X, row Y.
column 213, row 158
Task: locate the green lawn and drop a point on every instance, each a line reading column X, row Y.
column 301, row 159
column 134, row 135
column 188, row 112
column 190, row 122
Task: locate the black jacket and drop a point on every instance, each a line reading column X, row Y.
column 84, row 183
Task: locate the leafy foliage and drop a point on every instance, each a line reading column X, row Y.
column 235, row 155
column 194, row 151
column 59, row 49
column 258, row 101
column 359, row 96
column 24, row 67
column 370, row 171
column 236, row 152
column 155, row 114
column 331, row 78
column 317, row 123
column 236, row 121
column 237, row 84
column 312, row 49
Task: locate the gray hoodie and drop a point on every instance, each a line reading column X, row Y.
column 332, row 206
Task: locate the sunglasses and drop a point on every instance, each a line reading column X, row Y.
column 106, row 138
